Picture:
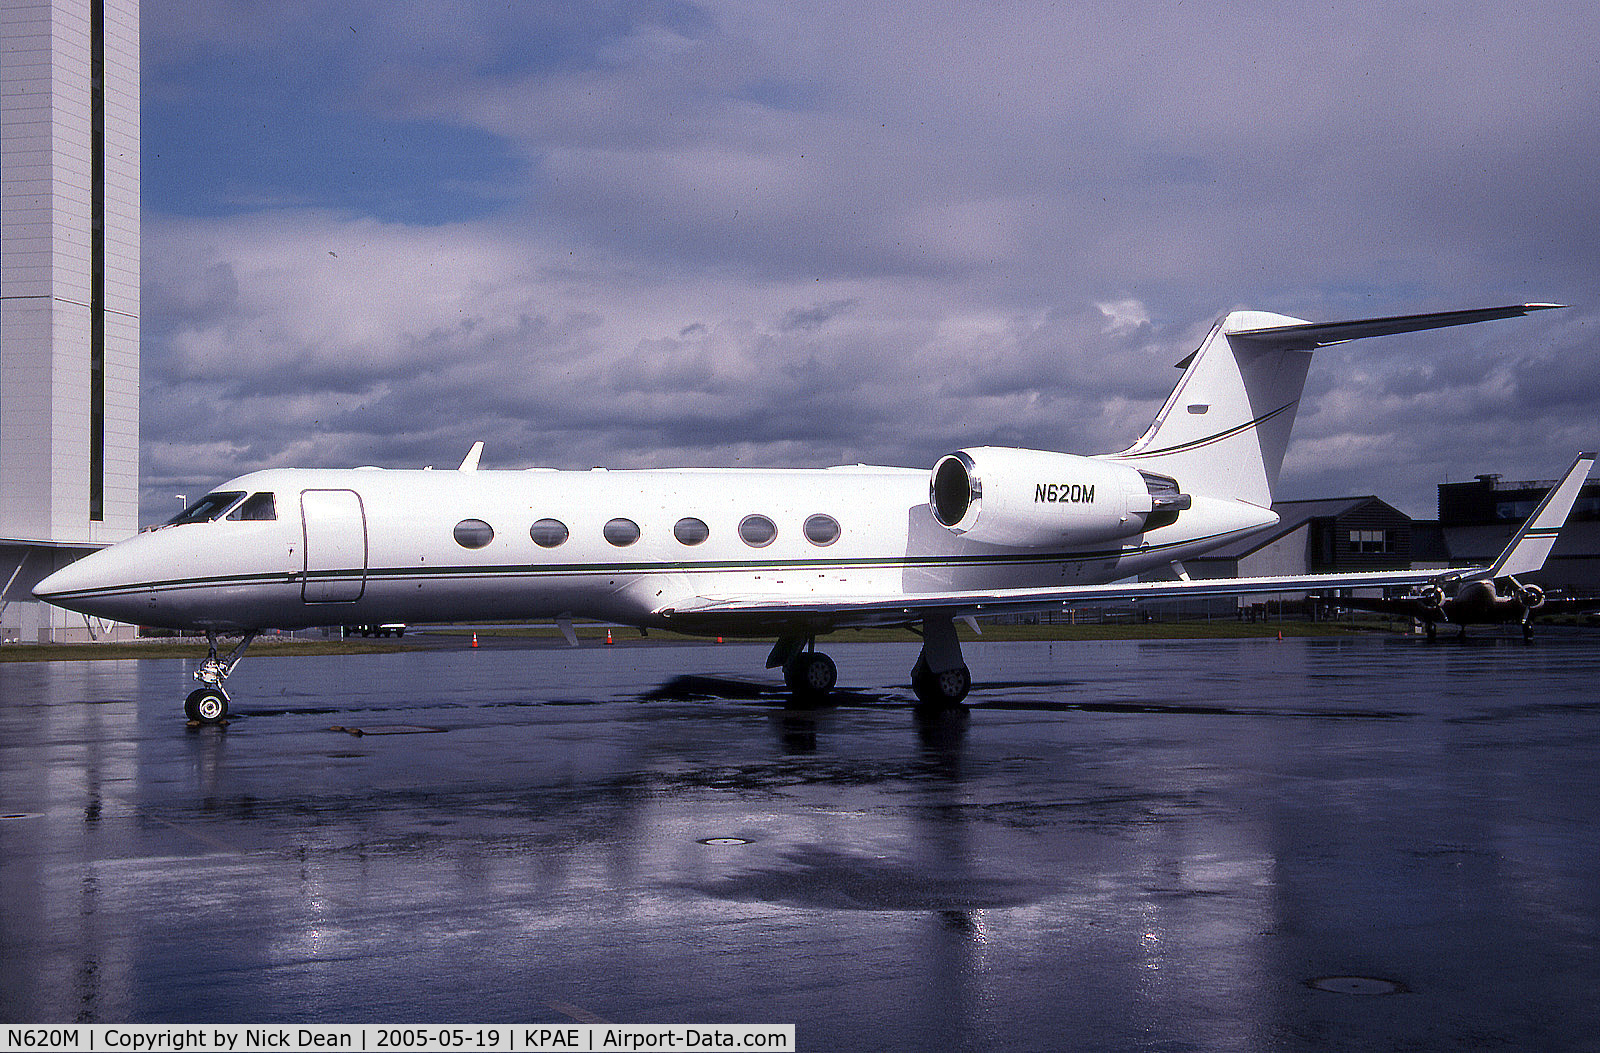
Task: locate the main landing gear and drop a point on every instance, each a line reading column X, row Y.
column 940, row 679
column 809, row 674
column 208, row 704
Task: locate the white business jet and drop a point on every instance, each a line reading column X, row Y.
column 745, row 552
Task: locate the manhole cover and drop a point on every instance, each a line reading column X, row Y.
column 12, row 817
column 1356, row 985
column 720, row 842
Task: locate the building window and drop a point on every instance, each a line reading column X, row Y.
column 473, row 533
column 757, row 531
column 621, row 532
column 690, row 531
column 821, row 529
column 1371, row 541
column 549, row 533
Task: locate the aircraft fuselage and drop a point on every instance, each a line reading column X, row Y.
column 349, row 546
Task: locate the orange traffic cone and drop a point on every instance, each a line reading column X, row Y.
column 608, row 637
column 474, row 639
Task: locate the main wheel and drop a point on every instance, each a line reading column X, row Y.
column 810, row 675
column 948, row 688
column 206, row 705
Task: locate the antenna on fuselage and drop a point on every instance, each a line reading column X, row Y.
column 470, row 463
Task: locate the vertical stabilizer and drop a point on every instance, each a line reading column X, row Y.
column 1224, row 429
column 1531, row 546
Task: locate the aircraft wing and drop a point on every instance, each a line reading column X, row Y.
column 774, row 613
column 1400, row 607
column 1567, row 605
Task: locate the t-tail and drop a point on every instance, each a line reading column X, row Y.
column 1224, row 429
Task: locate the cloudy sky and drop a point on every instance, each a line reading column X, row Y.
column 651, row 232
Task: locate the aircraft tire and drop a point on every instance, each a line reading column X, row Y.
column 810, row 676
column 948, row 688
column 206, row 705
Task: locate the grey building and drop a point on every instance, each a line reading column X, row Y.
column 1318, row 537
column 1479, row 517
column 69, row 295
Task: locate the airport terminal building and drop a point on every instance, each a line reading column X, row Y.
column 69, row 297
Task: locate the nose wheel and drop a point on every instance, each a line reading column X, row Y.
column 206, row 705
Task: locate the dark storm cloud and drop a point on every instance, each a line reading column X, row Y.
column 650, row 233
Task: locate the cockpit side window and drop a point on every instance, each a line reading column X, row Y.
column 257, row 508
column 207, row 508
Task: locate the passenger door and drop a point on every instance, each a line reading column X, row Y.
column 335, row 546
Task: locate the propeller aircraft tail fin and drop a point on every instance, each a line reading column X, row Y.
column 1532, row 544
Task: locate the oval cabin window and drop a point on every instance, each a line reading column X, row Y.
column 473, row 533
column 548, row 533
column 690, row 531
column 621, row 532
column 821, row 530
column 757, row 531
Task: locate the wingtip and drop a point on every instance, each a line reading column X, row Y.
column 1544, row 306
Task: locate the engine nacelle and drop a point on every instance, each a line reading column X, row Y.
column 1033, row 498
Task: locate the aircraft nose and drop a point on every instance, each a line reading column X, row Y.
column 83, row 585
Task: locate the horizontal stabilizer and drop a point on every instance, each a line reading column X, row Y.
column 1528, row 550
column 1309, row 336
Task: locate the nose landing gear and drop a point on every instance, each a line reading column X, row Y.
column 208, row 704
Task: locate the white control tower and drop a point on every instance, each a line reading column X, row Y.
column 69, row 296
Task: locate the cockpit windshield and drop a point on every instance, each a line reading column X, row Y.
column 257, row 508
column 207, row 508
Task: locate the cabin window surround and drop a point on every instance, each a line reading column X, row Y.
column 621, row 532
column 691, row 531
column 549, row 533
column 821, row 529
column 757, row 531
column 473, row 533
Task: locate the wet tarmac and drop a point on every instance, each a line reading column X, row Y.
column 1366, row 843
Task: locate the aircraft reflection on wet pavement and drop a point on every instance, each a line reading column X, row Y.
column 1236, row 844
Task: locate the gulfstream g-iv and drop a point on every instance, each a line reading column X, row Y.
column 793, row 554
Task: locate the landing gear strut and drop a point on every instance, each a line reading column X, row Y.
column 208, row 704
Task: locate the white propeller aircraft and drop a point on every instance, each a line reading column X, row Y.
column 747, row 552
